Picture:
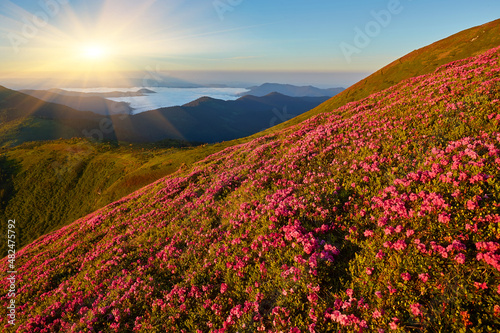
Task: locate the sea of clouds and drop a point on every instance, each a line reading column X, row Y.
column 166, row 97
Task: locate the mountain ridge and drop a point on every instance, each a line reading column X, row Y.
column 291, row 90
column 205, row 120
column 94, row 102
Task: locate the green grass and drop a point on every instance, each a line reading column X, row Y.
column 46, row 185
column 16, row 132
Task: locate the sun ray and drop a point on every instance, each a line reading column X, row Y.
column 116, row 28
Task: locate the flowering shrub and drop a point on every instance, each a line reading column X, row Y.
column 380, row 216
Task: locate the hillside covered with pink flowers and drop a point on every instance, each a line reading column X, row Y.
column 380, row 216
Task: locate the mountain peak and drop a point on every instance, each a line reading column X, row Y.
column 201, row 101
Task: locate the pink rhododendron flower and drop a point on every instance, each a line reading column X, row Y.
column 460, row 258
column 415, row 309
column 368, row 233
column 380, row 254
column 406, row 276
column 424, row 277
column 223, row 288
column 479, row 285
column 392, row 290
column 472, row 205
column 444, row 218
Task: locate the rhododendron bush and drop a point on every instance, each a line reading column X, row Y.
column 381, row 216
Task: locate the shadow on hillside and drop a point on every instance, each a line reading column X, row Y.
column 8, row 170
column 336, row 276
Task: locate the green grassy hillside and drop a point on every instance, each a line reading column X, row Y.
column 44, row 186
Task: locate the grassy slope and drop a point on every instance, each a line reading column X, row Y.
column 29, row 129
column 380, row 215
column 44, row 186
column 24, row 118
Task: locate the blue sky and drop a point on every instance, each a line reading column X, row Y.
column 225, row 35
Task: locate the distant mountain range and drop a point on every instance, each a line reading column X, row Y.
column 127, row 80
column 95, row 102
column 291, row 90
column 214, row 120
column 112, row 94
column 27, row 118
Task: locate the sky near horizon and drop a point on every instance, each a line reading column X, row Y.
column 225, row 35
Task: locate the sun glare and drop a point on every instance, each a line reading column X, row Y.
column 95, row 52
column 105, row 44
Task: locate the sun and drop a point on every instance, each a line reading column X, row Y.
column 95, row 52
